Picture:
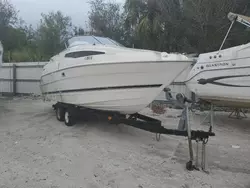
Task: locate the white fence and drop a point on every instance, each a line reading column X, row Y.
column 20, row 78
column 24, row 78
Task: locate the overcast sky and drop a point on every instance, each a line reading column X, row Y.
column 30, row 10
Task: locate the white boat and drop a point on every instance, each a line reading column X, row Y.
column 223, row 77
column 99, row 73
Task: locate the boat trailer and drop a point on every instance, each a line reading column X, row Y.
column 69, row 113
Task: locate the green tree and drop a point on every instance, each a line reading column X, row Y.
column 208, row 23
column 151, row 21
column 8, row 18
column 106, row 19
column 78, row 31
column 165, row 25
column 14, row 34
column 54, row 30
column 184, row 25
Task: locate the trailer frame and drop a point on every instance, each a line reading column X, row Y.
column 69, row 113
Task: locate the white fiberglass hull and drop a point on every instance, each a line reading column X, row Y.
column 122, row 87
column 223, row 78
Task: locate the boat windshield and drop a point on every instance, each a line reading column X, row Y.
column 92, row 40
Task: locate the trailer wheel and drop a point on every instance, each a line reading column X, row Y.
column 60, row 113
column 68, row 118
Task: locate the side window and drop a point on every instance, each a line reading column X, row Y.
column 71, row 54
column 82, row 54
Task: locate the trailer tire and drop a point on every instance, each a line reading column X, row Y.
column 60, row 113
column 68, row 118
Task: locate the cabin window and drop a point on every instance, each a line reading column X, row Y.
column 82, row 54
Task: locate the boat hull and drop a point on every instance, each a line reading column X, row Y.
column 126, row 87
column 224, row 78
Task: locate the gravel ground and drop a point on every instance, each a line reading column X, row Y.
column 38, row 151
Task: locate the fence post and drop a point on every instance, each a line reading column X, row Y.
column 14, row 79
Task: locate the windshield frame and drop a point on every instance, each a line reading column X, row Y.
column 92, row 40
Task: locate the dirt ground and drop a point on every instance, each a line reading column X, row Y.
column 38, row 151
